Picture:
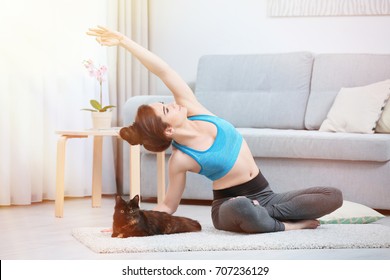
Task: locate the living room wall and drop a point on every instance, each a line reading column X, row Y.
column 181, row 31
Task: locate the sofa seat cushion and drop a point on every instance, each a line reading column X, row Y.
column 277, row 143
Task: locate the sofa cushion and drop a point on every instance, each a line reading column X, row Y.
column 384, row 122
column 331, row 72
column 262, row 91
column 308, row 144
column 357, row 109
column 275, row 143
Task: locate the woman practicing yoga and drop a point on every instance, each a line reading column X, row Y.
column 206, row 144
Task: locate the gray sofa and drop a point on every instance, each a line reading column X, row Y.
column 278, row 102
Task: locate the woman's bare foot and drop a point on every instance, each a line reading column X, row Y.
column 304, row 224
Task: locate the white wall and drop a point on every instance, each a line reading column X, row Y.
column 183, row 30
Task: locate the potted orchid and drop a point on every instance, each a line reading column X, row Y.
column 101, row 115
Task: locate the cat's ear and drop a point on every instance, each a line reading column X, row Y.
column 135, row 200
column 118, row 199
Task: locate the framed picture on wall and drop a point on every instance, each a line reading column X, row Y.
column 301, row 8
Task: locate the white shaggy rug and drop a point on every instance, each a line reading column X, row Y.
column 209, row 239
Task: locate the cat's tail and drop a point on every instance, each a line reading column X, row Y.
column 195, row 225
column 187, row 225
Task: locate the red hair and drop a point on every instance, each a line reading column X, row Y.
column 147, row 130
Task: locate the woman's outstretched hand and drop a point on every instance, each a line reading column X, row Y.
column 105, row 36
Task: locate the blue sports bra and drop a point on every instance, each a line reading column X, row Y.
column 219, row 159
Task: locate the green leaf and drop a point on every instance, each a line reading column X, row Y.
column 95, row 104
column 91, row 110
column 105, row 108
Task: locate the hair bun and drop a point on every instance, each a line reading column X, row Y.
column 131, row 134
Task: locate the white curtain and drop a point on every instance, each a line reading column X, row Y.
column 43, row 86
column 130, row 78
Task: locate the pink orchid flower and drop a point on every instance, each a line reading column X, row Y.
column 99, row 74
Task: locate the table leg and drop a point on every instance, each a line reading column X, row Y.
column 60, row 177
column 97, row 171
column 160, row 177
column 135, row 170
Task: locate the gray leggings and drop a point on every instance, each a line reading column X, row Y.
column 253, row 207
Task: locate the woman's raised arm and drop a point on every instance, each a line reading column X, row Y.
column 181, row 91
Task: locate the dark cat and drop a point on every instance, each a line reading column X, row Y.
column 130, row 220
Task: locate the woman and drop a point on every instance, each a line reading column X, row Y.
column 205, row 144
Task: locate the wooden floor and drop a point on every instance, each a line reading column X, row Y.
column 32, row 232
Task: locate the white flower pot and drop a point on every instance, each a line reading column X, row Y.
column 101, row 120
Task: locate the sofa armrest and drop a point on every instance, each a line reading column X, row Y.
column 132, row 104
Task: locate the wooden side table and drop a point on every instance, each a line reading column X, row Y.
column 97, row 166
